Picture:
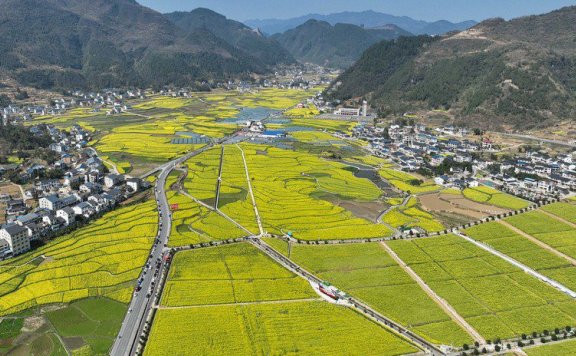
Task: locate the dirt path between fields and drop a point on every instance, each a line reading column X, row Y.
column 569, row 223
column 448, row 309
column 538, row 242
column 245, row 303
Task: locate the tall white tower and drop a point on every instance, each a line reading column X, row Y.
column 364, row 108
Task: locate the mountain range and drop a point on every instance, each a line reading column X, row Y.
column 235, row 33
column 104, row 43
column 367, row 19
column 517, row 73
column 333, row 46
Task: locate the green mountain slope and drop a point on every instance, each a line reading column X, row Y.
column 334, row 46
column 235, row 33
column 518, row 73
column 105, row 43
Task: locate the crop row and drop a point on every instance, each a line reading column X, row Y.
column 496, row 298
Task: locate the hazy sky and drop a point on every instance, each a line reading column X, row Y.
column 453, row 10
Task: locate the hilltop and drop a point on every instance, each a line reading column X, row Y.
column 104, row 43
column 516, row 73
column 235, row 33
column 334, row 46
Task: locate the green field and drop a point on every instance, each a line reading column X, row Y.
column 230, row 274
column 564, row 348
column 535, row 222
column 496, row 298
column 525, row 251
column 565, row 211
column 367, row 272
column 101, row 259
column 282, row 315
column 87, row 326
column 95, row 321
column 484, row 194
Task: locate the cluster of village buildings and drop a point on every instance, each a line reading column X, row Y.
column 111, row 102
column 532, row 175
column 86, row 190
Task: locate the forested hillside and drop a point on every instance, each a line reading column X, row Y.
column 334, row 46
column 242, row 37
column 104, row 43
column 499, row 73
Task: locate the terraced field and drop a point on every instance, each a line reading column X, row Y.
column 527, row 252
column 496, row 298
column 495, row 197
column 149, row 132
column 410, row 216
column 270, row 324
column 405, row 182
column 286, row 185
column 101, row 259
column 367, row 272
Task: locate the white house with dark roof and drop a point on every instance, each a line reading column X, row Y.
column 17, row 238
column 67, row 214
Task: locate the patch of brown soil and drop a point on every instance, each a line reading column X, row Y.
column 457, row 204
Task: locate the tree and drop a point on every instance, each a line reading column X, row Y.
column 4, row 100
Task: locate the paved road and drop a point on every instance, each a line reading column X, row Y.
column 127, row 339
column 525, row 268
column 556, row 142
column 258, row 219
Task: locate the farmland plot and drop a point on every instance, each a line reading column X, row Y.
column 193, row 223
column 566, row 211
column 285, row 184
column 230, row 274
column 495, row 197
column 496, row 298
column 308, row 328
column 367, row 272
column 527, row 252
column 201, row 314
column 234, row 198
